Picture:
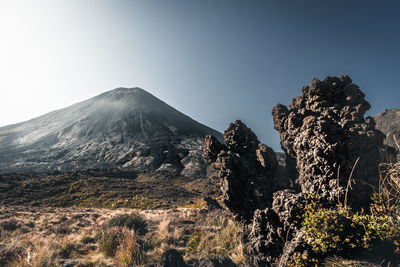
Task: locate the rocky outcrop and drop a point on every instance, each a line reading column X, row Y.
column 331, row 150
column 325, row 132
column 388, row 122
column 246, row 168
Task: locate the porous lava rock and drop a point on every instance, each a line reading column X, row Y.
column 246, row 169
column 331, row 151
column 172, row 258
column 333, row 145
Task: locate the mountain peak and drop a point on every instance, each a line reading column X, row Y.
column 125, row 90
column 105, row 130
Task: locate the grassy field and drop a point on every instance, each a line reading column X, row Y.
column 38, row 236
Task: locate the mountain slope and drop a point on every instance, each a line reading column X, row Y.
column 388, row 122
column 128, row 128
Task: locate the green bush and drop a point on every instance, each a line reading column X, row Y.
column 338, row 229
column 193, row 242
column 331, row 229
column 131, row 221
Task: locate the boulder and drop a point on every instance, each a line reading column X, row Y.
column 172, row 258
column 217, row 261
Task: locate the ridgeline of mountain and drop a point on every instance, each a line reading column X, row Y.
column 123, row 128
column 388, row 122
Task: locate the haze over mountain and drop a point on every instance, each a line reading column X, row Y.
column 126, row 127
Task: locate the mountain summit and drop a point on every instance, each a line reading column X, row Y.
column 125, row 127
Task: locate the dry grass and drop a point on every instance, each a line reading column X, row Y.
column 40, row 252
column 389, row 185
column 53, row 236
column 218, row 235
column 129, row 252
column 340, row 262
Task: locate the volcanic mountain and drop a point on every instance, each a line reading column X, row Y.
column 125, row 128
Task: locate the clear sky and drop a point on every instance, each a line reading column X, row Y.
column 214, row 60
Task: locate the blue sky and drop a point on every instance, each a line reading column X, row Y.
column 214, row 60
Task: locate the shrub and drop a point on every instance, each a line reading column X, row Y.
column 110, row 240
column 130, row 221
column 193, row 242
column 62, row 229
column 66, row 250
column 40, row 254
column 8, row 254
column 30, row 224
column 338, row 229
column 331, row 229
column 87, row 239
column 10, row 225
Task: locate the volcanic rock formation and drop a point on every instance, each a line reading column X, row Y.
column 246, row 168
column 325, row 132
column 388, row 122
column 331, row 151
column 122, row 128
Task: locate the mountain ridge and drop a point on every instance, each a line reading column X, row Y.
column 112, row 129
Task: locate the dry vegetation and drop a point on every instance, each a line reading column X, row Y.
column 79, row 236
column 32, row 236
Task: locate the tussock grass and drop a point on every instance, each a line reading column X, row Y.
column 129, row 252
column 93, row 237
column 389, row 185
column 220, row 235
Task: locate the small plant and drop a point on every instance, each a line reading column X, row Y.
column 129, row 252
column 9, row 254
column 389, row 185
column 193, row 242
column 131, row 221
column 196, row 205
column 30, row 224
column 222, row 238
column 330, row 229
column 62, row 229
column 41, row 253
column 10, row 225
column 87, row 239
column 66, row 250
column 110, row 240
column 163, row 230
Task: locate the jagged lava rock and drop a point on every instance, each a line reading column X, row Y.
column 326, row 139
column 325, row 132
column 246, row 169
